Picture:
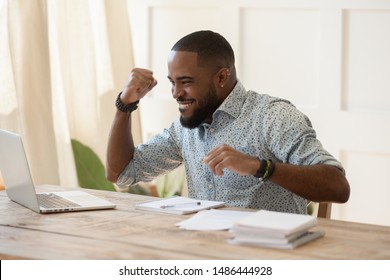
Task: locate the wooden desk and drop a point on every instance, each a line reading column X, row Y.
column 125, row 233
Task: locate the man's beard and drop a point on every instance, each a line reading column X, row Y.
column 207, row 107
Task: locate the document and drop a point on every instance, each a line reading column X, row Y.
column 213, row 219
column 179, row 205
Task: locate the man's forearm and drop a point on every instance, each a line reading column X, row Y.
column 319, row 183
column 120, row 145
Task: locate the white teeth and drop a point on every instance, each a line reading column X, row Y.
column 184, row 106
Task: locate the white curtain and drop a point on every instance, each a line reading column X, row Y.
column 62, row 63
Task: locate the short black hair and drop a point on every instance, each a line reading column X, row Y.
column 212, row 48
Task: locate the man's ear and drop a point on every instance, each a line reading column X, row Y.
column 223, row 77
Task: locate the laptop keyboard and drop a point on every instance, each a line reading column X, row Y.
column 51, row 200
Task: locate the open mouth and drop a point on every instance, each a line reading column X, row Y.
column 184, row 104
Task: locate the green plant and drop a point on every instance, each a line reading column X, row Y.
column 172, row 183
column 310, row 208
column 138, row 189
column 90, row 170
column 91, row 174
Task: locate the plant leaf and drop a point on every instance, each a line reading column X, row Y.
column 138, row 189
column 90, row 170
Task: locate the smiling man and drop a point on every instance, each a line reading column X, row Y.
column 248, row 149
column 194, row 89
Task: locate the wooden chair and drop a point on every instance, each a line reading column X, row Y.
column 1, row 183
column 324, row 210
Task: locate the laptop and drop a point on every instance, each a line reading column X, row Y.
column 20, row 188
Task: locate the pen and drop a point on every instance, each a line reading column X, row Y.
column 181, row 204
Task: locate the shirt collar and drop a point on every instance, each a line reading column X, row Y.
column 234, row 101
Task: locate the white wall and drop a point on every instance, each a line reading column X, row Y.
column 331, row 58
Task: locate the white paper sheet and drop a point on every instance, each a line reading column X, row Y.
column 213, row 220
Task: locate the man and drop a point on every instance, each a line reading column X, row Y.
column 247, row 149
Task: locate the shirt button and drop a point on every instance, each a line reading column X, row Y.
column 210, row 186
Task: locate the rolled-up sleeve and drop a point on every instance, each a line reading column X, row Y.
column 155, row 157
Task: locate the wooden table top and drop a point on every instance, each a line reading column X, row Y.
column 126, row 233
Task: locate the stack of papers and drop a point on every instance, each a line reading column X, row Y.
column 179, row 205
column 275, row 229
column 213, row 220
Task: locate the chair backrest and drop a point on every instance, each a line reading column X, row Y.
column 324, row 210
column 1, row 182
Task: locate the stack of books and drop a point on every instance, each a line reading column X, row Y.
column 274, row 229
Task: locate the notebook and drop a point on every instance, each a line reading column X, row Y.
column 304, row 238
column 275, row 230
column 179, row 205
column 20, row 188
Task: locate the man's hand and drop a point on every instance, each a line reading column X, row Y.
column 140, row 82
column 225, row 156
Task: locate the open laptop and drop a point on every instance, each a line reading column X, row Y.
column 20, row 187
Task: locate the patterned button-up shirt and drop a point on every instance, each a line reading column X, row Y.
column 256, row 124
